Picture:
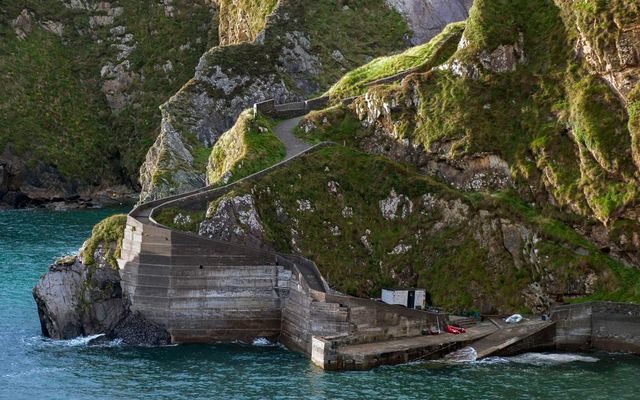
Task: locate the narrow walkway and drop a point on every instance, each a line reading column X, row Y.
column 284, row 132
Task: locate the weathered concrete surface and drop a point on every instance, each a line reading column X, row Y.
column 603, row 326
column 369, row 355
column 510, row 339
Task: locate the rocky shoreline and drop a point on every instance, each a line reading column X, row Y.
column 75, row 299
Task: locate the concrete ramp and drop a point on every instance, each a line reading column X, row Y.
column 510, row 340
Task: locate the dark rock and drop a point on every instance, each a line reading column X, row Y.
column 15, row 199
column 136, row 330
column 4, row 179
column 74, row 300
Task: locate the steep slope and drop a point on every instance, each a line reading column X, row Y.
column 82, row 82
column 537, row 99
column 305, row 46
column 370, row 223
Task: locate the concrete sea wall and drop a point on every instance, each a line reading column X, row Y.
column 603, row 326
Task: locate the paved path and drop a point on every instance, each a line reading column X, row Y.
column 284, row 132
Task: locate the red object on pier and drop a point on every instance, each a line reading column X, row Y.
column 455, row 330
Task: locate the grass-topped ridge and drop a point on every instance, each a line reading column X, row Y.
column 419, row 59
column 108, row 233
column 250, row 146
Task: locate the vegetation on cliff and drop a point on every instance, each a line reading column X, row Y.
column 250, row 146
column 417, row 59
column 243, row 20
column 526, row 85
column 369, row 223
column 305, row 47
column 108, row 233
column 82, row 81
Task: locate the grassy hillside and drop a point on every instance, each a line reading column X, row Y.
column 419, row 59
column 250, row 146
column 451, row 242
column 560, row 127
column 52, row 106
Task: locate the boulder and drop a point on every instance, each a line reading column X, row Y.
column 74, row 299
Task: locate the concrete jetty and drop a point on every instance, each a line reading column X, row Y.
column 508, row 340
column 398, row 351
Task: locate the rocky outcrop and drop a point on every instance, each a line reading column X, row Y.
column 480, row 171
column 234, row 219
column 242, row 21
column 613, row 56
column 75, row 299
column 504, row 58
column 288, row 61
column 427, row 18
column 169, row 166
column 101, row 72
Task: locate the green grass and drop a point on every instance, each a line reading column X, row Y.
column 254, row 13
column 420, row 58
column 52, row 108
column 250, row 146
column 461, row 269
column 561, row 129
column 175, row 218
column 108, row 233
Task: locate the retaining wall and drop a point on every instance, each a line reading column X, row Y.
column 601, row 326
column 290, row 110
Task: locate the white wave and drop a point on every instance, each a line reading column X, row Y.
column 262, row 342
column 465, row 354
column 541, row 359
column 75, row 342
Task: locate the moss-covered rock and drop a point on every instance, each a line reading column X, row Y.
column 369, row 223
column 107, row 237
column 520, row 104
column 82, row 82
column 250, row 146
column 242, row 21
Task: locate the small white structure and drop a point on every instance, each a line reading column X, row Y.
column 410, row 298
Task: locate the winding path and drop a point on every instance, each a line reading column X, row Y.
column 284, row 131
column 137, row 243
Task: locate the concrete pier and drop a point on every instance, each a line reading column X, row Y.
column 398, row 351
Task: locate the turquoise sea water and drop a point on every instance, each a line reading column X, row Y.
column 35, row 368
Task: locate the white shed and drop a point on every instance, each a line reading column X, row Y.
column 410, row 298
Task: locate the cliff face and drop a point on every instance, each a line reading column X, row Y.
column 82, row 82
column 371, row 223
column 242, row 21
column 427, row 18
column 541, row 103
column 303, row 47
column 82, row 296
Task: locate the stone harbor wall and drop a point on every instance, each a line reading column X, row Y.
column 200, row 290
column 603, row 326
